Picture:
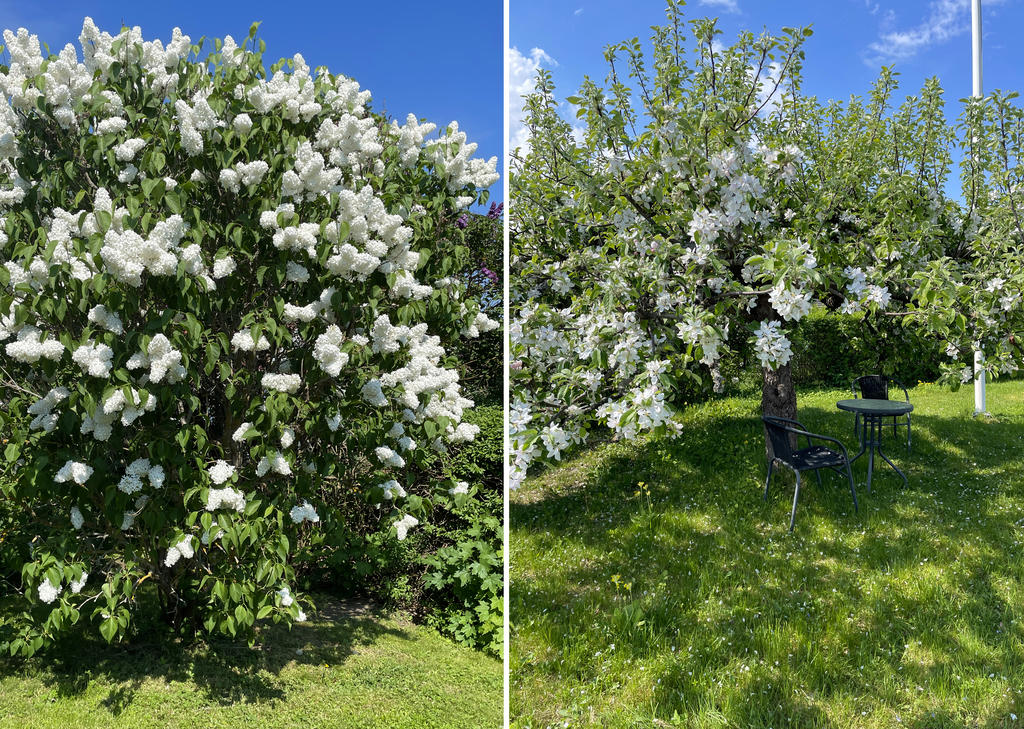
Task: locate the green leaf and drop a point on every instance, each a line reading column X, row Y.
column 108, row 629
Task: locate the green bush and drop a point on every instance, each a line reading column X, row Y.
column 463, row 582
column 448, row 573
column 211, row 303
column 832, row 349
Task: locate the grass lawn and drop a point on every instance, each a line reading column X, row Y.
column 696, row 607
column 358, row 668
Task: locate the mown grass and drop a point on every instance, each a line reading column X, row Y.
column 349, row 667
column 695, row 606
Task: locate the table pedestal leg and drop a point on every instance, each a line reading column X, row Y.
column 886, row 459
column 863, row 440
column 871, row 454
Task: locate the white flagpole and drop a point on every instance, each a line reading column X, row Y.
column 979, row 356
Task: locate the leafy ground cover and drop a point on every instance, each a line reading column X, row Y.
column 350, row 666
column 652, row 586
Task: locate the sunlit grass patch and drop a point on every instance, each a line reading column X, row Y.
column 652, row 586
column 350, row 666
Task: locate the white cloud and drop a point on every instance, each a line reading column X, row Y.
column 769, row 76
column 946, row 20
column 578, row 11
column 522, row 76
column 728, row 6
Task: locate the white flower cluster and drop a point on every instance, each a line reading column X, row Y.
column 410, row 138
column 275, row 462
column 44, row 418
column 220, row 472
column 388, row 457
column 118, row 406
column 127, row 255
column 481, row 323
column 393, row 490
column 709, row 338
column 223, row 267
column 861, row 292
column 138, row 469
column 453, row 155
column 94, row 359
column 183, row 548
column 791, row 304
column 422, row 378
column 162, row 360
column 48, row 592
column 239, row 435
column 282, row 382
column 305, row 512
column 226, row 497
column 126, row 150
column 242, row 340
column 243, row 173
column 403, row 525
column 771, row 345
column 73, row 471
column 327, row 351
column 194, row 119
column 33, row 345
column 106, row 319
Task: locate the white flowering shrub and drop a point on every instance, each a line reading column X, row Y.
column 221, row 300
column 702, row 205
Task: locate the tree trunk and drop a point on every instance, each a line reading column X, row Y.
column 778, row 397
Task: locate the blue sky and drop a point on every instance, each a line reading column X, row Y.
column 852, row 39
column 440, row 63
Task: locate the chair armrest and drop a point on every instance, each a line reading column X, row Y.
column 815, row 436
column 792, row 422
column 899, row 384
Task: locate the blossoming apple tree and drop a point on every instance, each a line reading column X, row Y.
column 220, row 297
column 708, row 204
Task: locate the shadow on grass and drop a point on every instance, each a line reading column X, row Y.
column 909, row 592
column 226, row 672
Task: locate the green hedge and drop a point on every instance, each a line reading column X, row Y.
column 832, row 349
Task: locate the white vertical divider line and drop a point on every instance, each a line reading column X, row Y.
column 979, row 355
column 506, row 389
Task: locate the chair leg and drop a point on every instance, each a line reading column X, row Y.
column 853, row 491
column 771, row 465
column 796, row 495
column 817, row 472
column 908, row 435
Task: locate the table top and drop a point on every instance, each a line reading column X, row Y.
column 867, row 406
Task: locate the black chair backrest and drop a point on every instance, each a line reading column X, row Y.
column 779, row 437
column 873, row 387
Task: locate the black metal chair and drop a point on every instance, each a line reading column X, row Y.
column 811, row 458
column 876, row 387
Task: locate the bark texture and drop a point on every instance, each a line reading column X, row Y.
column 778, row 397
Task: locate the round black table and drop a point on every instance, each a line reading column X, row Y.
column 873, row 412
